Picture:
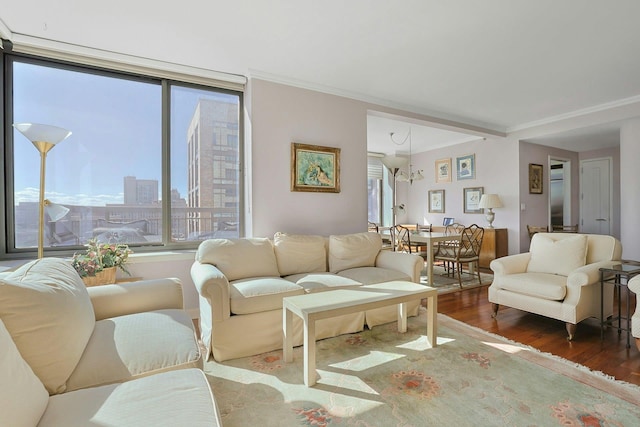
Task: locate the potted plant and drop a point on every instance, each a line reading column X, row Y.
column 97, row 266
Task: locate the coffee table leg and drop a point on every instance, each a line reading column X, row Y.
column 432, row 320
column 287, row 332
column 309, row 352
column 402, row 317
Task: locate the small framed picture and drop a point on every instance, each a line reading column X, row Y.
column 436, row 201
column 466, row 167
column 443, row 170
column 535, row 178
column 315, row 168
column 472, row 199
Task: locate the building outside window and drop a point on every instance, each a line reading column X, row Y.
column 110, row 172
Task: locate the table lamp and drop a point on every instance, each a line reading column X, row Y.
column 490, row 201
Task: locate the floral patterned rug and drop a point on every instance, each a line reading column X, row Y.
column 380, row 377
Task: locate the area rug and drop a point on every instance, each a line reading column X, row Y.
column 447, row 283
column 380, row 377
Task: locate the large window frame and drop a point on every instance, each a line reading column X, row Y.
column 8, row 248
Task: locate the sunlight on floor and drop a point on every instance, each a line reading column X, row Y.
column 368, row 361
column 507, row 348
column 422, row 344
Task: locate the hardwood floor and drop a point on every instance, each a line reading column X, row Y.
column 548, row 335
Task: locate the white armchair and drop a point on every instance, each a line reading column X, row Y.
column 559, row 277
column 634, row 286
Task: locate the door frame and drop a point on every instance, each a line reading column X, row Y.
column 567, row 211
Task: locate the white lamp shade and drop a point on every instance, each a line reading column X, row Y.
column 490, row 201
column 55, row 211
column 417, row 176
column 36, row 132
column 394, row 162
column 402, row 177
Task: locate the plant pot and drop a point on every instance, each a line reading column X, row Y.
column 104, row 277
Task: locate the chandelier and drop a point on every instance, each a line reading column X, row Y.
column 412, row 175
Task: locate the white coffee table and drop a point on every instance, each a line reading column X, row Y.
column 323, row 305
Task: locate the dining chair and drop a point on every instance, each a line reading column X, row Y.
column 533, row 229
column 402, row 238
column 448, row 248
column 466, row 252
column 372, row 226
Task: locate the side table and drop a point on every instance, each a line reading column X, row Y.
column 617, row 275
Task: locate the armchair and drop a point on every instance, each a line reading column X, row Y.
column 634, row 286
column 558, row 278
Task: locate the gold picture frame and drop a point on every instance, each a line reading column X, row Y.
column 436, row 201
column 443, row 170
column 315, row 168
column 472, row 198
column 535, row 178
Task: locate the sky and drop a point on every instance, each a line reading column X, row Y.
column 116, row 132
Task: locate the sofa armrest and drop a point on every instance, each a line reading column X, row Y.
column 511, row 264
column 135, row 297
column 585, row 276
column 410, row 264
column 634, row 286
column 213, row 287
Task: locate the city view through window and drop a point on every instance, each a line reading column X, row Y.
column 109, row 173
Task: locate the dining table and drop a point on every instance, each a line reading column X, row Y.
column 429, row 238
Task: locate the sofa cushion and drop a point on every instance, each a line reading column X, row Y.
column 353, row 250
column 299, row 253
column 557, row 255
column 239, row 258
column 135, row 345
column 23, row 398
column 318, row 282
column 46, row 309
column 546, row 286
column 260, row 294
column 372, row 275
column 176, row 398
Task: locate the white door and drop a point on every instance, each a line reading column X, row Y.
column 595, row 197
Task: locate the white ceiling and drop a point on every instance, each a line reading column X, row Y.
column 503, row 65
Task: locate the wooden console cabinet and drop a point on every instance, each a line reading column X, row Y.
column 494, row 245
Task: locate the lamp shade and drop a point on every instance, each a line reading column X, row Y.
column 36, row 132
column 488, row 201
column 394, row 162
column 55, row 211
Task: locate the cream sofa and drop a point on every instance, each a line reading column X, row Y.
column 241, row 283
column 634, row 286
column 108, row 355
column 559, row 277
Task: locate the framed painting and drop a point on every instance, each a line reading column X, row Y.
column 466, row 167
column 443, row 170
column 472, row 199
column 535, row 178
column 315, row 168
column 436, row 201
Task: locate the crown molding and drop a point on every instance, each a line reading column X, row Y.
column 5, row 32
column 577, row 113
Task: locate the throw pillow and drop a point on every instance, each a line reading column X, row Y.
column 48, row 312
column 353, row 250
column 240, row 258
column 557, row 255
column 23, row 398
column 300, row 253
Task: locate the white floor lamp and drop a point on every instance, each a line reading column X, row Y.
column 394, row 163
column 44, row 138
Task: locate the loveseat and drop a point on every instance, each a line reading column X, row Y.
column 241, row 284
column 108, row 355
column 634, row 286
column 558, row 278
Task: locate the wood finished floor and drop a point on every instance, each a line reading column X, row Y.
column 548, row 335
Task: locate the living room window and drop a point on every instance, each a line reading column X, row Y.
column 151, row 162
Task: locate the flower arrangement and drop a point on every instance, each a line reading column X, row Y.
column 100, row 256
